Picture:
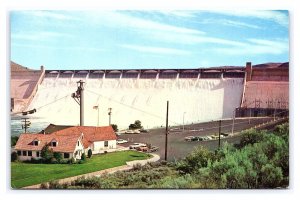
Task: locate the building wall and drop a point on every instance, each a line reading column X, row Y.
column 34, row 155
column 79, row 149
column 98, row 146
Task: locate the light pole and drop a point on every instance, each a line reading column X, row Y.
column 109, row 114
column 183, row 121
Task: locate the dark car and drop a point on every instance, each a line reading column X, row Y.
column 153, row 149
column 144, row 131
column 225, row 134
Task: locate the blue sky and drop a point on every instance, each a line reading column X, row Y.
column 148, row 39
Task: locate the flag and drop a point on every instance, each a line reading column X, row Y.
column 95, row 107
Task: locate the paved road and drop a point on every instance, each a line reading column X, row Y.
column 179, row 148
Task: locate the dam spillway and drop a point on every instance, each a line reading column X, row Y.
column 137, row 96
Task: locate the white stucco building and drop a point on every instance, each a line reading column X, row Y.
column 70, row 142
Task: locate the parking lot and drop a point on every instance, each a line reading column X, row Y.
column 179, row 148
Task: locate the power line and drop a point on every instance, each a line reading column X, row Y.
column 134, row 108
column 53, row 102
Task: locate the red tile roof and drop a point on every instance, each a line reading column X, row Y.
column 91, row 133
column 65, row 143
column 67, row 138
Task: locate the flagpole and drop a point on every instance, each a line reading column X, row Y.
column 98, row 115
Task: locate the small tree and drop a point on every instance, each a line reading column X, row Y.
column 90, row 153
column 13, row 140
column 115, row 127
column 138, row 124
column 46, row 153
column 132, row 126
column 14, row 156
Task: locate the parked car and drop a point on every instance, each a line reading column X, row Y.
column 205, row 138
column 214, row 137
column 209, row 137
column 142, row 148
column 135, row 145
column 196, row 138
column 200, row 138
column 225, row 134
column 189, row 138
column 121, row 141
column 118, row 133
column 136, row 131
column 153, row 149
column 129, row 132
column 144, row 131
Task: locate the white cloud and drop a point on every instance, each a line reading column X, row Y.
column 226, row 22
column 179, row 13
column 41, row 36
column 256, row 47
column 48, row 14
column 117, row 19
column 275, row 16
column 71, row 48
column 190, row 39
column 155, row 50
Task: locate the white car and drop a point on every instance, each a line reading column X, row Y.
column 135, row 145
column 121, row 141
column 129, row 132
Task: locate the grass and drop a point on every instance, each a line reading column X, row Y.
column 26, row 174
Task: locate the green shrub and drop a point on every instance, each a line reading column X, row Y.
column 14, row 156
column 137, row 166
column 83, row 157
column 64, row 161
column 44, row 186
column 57, row 156
column 90, row 153
column 53, row 161
column 80, row 161
column 56, row 185
column 91, row 183
column 72, row 161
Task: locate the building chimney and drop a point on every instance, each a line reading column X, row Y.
column 248, row 71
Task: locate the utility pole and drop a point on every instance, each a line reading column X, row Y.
column 233, row 118
column 78, row 96
column 26, row 124
column 167, row 126
column 109, row 114
column 220, row 133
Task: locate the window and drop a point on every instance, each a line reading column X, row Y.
column 29, row 153
column 66, row 155
column 24, row 153
column 37, row 154
column 106, row 143
column 36, row 143
column 53, row 144
column 78, row 143
column 19, row 153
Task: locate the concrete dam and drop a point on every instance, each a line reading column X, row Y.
column 194, row 96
